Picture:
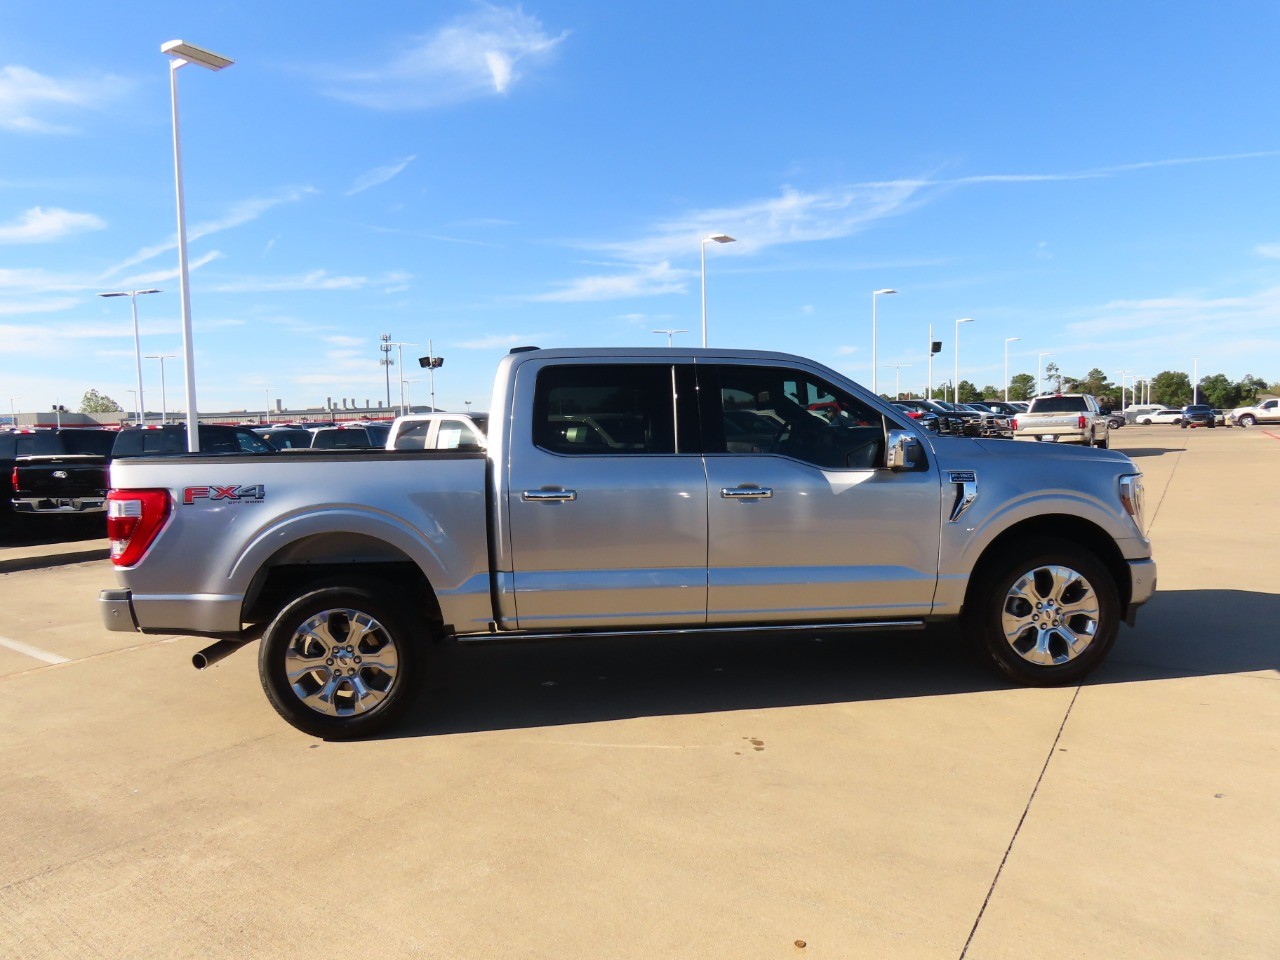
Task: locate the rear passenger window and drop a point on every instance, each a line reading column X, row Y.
column 605, row 409
column 456, row 435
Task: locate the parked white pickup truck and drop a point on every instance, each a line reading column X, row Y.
column 1265, row 411
column 1064, row 418
column 626, row 492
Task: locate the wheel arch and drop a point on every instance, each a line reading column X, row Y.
column 1077, row 530
column 331, row 559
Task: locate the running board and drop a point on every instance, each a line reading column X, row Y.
column 691, row 631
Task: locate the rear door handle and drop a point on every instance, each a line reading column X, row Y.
column 746, row 493
column 549, row 496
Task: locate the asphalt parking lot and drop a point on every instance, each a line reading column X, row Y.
column 876, row 797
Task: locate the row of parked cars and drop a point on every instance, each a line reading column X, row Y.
column 63, row 472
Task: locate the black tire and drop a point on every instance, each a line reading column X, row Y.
column 1053, row 573
column 1182, row 424
column 1248, row 420
column 360, row 685
column 1101, row 444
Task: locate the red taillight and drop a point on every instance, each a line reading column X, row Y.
column 1013, row 424
column 13, row 480
column 1080, row 422
column 914, row 414
column 134, row 517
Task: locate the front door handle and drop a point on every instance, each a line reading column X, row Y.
column 746, row 493
column 549, row 496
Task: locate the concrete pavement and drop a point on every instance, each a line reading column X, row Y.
column 879, row 798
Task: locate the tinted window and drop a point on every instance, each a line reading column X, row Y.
column 605, row 409
column 88, row 441
column 413, row 436
column 38, row 444
column 1059, row 405
column 793, row 413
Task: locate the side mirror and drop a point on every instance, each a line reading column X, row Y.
column 904, row 452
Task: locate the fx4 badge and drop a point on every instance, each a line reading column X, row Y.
column 236, row 493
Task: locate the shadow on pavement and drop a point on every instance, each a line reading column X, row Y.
column 499, row 686
column 17, row 531
column 1149, row 451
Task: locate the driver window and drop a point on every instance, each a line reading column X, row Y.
column 796, row 414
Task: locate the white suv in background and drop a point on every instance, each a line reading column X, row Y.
column 439, row 431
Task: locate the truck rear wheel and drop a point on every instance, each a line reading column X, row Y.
column 1248, row 420
column 1046, row 617
column 340, row 662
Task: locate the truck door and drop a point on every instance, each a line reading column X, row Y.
column 805, row 523
column 606, row 497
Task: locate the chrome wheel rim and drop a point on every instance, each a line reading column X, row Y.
column 1050, row 615
column 341, row 662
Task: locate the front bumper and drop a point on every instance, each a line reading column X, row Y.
column 1142, row 586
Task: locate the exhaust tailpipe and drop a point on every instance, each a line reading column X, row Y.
column 215, row 652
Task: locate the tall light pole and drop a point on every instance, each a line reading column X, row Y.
column 897, row 378
column 875, row 358
column 1039, row 368
column 182, row 54
column 670, row 334
column 164, row 400
column 133, row 296
column 956, row 385
column 1007, row 341
column 1121, row 374
column 386, row 362
column 717, row 238
column 929, row 394
column 13, row 413
column 404, row 393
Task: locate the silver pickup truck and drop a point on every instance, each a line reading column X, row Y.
column 626, row 492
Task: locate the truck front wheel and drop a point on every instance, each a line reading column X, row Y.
column 340, row 662
column 1045, row 618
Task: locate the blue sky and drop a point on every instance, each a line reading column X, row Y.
column 1098, row 179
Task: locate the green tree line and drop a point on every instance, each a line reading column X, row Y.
column 1169, row 387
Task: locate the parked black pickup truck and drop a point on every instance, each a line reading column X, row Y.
column 53, row 471
column 61, row 472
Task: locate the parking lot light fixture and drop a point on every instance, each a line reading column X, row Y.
column 875, row 357
column 182, row 53
column 714, row 238
column 133, row 296
column 164, row 400
column 956, row 386
column 670, row 334
column 1007, row 341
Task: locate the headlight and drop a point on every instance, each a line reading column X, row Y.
column 1133, row 498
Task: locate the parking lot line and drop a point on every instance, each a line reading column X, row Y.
column 19, row 647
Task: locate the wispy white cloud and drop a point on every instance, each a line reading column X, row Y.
column 378, row 175
column 1269, row 250
column 39, row 225
column 245, row 211
column 1180, row 322
column 797, row 216
column 25, row 95
column 483, row 53
column 501, row 342
column 312, row 280
column 639, row 281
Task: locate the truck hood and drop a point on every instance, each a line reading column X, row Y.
column 956, row 452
